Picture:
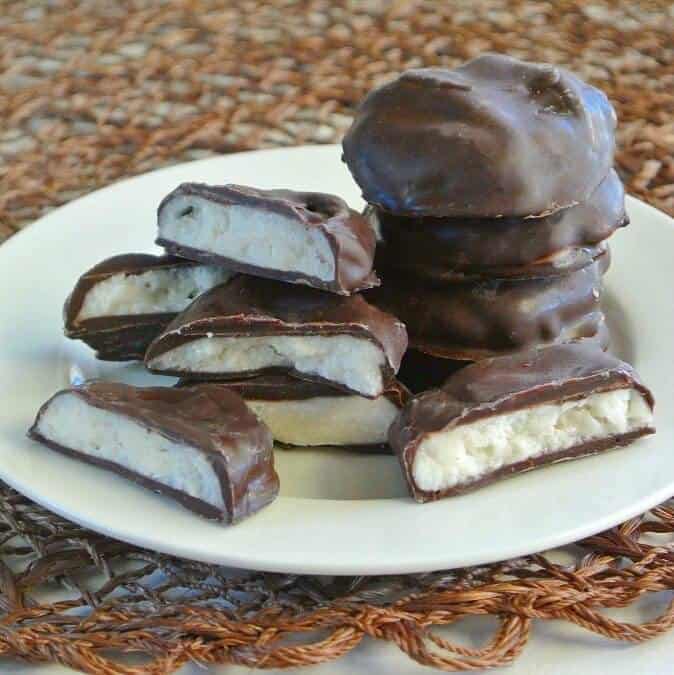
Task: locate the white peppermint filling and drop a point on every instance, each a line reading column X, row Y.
column 247, row 235
column 343, row 359
column 74, row 424
column 343, row 420
column 468, row 452
column 157, row 291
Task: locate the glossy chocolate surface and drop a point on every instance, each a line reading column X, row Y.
column 473, row 320
column 493, row 137
column 123, row 338
column 456, row 249
column 251, row 307
column 506, row 384
column 349, row 234
column 280, row 387
column 209, row 418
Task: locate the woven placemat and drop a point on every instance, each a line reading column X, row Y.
column 170, row 611
column 94, row 91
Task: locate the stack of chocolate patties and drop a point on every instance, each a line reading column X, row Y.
column 256, row 307
column 259, row 291
column 290, row 333
column 492, row 191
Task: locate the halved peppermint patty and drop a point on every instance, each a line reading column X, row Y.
column 303, row 413
column 511, row 414
column 199, row 445
column 254, row 326
column 121, row 304
column 299, row 237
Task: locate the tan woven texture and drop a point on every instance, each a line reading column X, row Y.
column 125, row 601
column 94, row 91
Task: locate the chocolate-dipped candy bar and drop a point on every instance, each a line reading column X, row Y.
column 120, row 305
column 473, row 320
column 199, row 445
column 253, row 326
column 304, row 413
column 460, row 249
column 421, row 372
column 298, row 237
column 493, row 137
column 511, row 414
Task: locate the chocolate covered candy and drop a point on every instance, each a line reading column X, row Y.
column 460, row 249
column 120, row 305
column 511, row 414
column 298, row 237
column 474, row 320
column 199, row 445
column 304, row 413
column 252, row 326
column 494, row 137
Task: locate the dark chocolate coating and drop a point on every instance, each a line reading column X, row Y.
column 493, row 137
column 252, row 307
column 473, row 320
column 421, row 372
column 506, row 384
column 349, row 234
column 124, row 337
column 209, row 418
column 461, row 249
column 281, row 387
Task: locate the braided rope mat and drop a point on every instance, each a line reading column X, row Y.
column 92, row 91
column 174, row 611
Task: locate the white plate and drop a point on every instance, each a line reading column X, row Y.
column 338, row 513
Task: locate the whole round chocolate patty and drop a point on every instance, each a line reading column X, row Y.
column 496, row 136
column 459, row 249
column 474, row 320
